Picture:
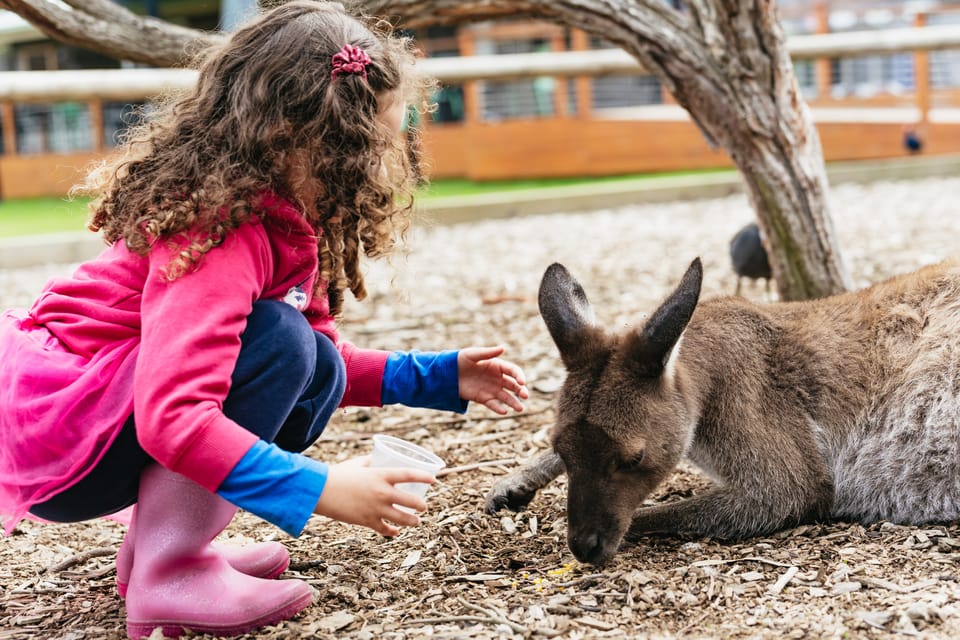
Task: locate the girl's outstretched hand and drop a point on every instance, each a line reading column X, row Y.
column 489, row 380
column 357, row 493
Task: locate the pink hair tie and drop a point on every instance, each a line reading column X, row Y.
column 350, row 60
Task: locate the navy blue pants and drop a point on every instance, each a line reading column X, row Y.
column 288, row 381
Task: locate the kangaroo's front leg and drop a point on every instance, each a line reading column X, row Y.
column 724, row 513
column 517, row 490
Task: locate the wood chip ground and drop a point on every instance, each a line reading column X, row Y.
column 464, row 574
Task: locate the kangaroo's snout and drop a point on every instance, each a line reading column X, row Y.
column 592, row 547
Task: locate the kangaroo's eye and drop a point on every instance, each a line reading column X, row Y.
column 632, row 463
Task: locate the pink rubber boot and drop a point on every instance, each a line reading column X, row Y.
column 261, row 560
column 179, row 582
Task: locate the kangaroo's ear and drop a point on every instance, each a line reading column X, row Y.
column 565, row 310
column 649, row 348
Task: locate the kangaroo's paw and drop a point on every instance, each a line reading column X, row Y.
column 509, row 493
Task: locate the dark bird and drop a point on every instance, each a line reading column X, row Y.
column 748, row 257
column 912, row 141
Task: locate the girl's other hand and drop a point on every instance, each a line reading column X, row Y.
column 357, row 493
column 489, row 380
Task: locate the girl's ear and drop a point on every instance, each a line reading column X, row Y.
column 649, row 349
column 392, row 112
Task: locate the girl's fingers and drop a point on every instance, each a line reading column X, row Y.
column 485, row 353
column 510, row 383
column 401, row 517
column 409, row 500
column 516, row 373
column 511, row 401
column 395, row 475
column 384, row 528
column 496, row 406
column 515, row 386
column 394, row 517
column 507, row 395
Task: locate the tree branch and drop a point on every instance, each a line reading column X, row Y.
column 110, row 29
column 101, row 9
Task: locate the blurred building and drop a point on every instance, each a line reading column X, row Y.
column 545, row 126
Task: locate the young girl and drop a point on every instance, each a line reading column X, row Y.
column 185, row 367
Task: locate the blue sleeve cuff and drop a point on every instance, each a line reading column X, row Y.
column 279, row 486
column 423, row 379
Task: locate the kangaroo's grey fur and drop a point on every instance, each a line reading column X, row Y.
column 845, row 407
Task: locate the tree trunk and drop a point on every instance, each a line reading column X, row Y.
column 724, row 61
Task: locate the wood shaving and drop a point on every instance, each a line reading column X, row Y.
column 464, row 574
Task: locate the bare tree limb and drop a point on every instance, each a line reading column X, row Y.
column 101, row 9
column 114, row 31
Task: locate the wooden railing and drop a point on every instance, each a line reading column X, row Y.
column 138, row 84
column 658, row 138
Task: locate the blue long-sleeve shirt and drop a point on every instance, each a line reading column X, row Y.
column 283, row 487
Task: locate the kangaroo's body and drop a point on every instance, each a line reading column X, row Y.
column 845, row 407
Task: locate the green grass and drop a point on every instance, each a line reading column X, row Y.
column 463, row 187
column 41, row 215
column 51, row 215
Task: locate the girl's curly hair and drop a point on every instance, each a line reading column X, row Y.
column 266, row 114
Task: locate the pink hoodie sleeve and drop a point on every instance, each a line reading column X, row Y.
column 190, row 344
column 364, row 375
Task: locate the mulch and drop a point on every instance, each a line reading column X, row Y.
column 465, row 574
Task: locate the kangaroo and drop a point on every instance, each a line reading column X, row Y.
column 846, row 407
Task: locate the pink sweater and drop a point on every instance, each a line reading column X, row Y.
column 185, row 337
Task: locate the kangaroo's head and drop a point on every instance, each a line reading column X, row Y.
column 623, row 419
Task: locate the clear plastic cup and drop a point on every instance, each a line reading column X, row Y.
column 389, row 451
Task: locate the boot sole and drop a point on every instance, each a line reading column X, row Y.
column 273, row 572
column 176, row 628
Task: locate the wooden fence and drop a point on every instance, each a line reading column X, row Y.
column 576, row 143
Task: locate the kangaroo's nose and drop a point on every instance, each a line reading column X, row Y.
column 589, row 548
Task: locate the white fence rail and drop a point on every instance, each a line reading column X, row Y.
column 136, row 84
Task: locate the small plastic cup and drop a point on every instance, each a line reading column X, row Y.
column 389, row 451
